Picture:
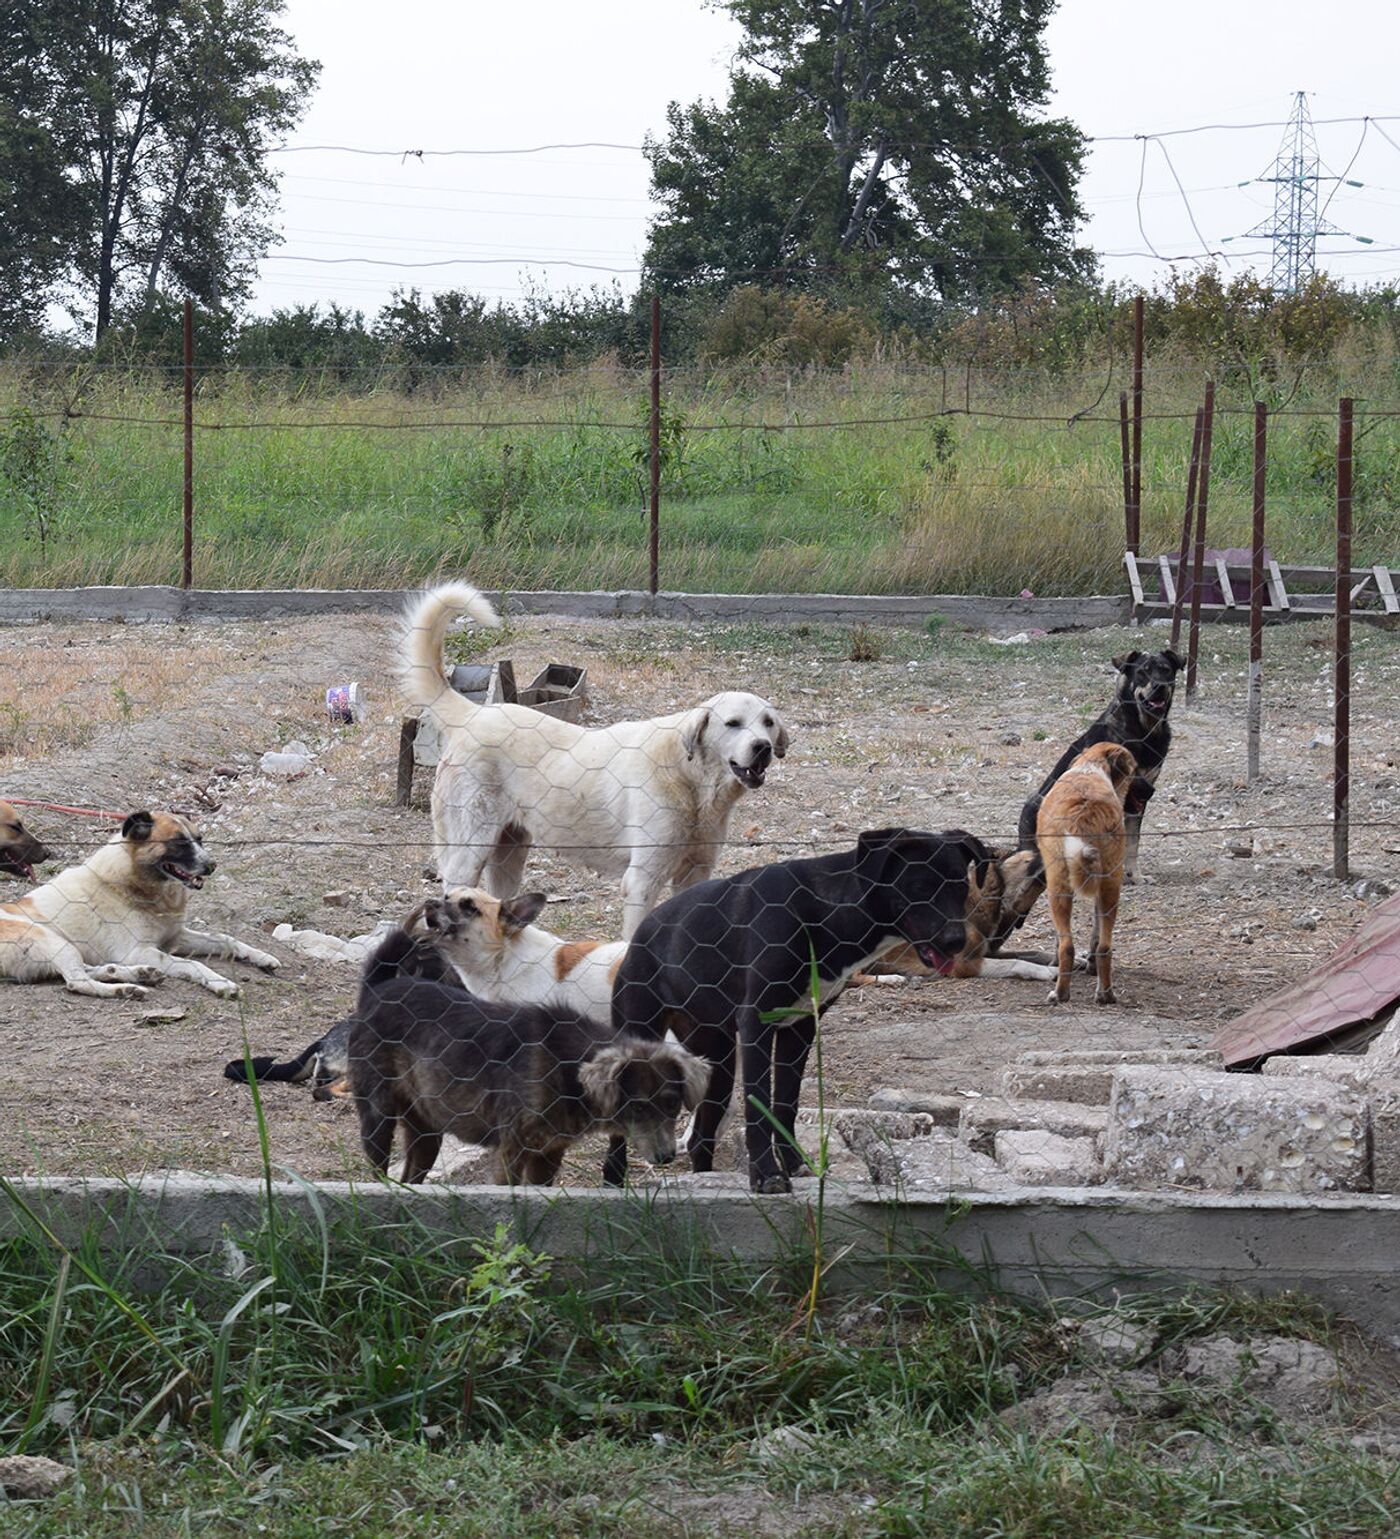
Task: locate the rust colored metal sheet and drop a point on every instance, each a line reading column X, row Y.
column 1358, row 981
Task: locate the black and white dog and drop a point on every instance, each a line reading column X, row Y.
column 1136, row 718
column 727, row 966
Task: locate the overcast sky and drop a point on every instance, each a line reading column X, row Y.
column 437, row 75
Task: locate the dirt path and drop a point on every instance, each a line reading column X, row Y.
column 946, row 731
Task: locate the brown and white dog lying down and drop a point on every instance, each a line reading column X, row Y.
column 20, row 851
column 1081, row 831
column 117, row 921
column 1001, row 891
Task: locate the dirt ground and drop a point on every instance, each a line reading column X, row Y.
column 941, row 731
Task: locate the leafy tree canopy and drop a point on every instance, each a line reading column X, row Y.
column 894, row 138
column 134, row 139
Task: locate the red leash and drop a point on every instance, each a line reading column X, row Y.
column 82, row 812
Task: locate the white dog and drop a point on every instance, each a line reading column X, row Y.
column 647, row 800
column 118, row 920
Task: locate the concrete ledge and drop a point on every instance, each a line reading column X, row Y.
column 1035, row 1241
column 156, row 604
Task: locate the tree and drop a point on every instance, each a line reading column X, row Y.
column 889, row 136
column 160, row 114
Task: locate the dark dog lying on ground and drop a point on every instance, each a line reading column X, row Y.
column 20, row 851
column 1136, row 719
column 729, row 963
column 525, row 1080
column 326, row 1061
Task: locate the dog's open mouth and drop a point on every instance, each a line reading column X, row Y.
column 11, row 863
column 182, row 874
column 750, row 775
column 931, row 957
column 1156, row 706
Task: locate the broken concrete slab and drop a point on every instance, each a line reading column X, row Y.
column 937, row 1163
column 1353, row 1069
column 1383, row 1097
column 31, row 1477
column 1086, row 1401
column 1037, row 1158
column 1115, row 1340
column 944, row 1109
column 1088, row 1076
column 1292, row 1375
column 860, row 1127
column 987, row 1116
column 1175, row 1126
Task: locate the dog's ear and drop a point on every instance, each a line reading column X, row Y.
column 1122, row 664
column 138, row 827
column 873, row 839
column 419, row 916
column 978, row 856
column 520, row 912
column 693, row 731
column 601, row 1079
column 1120, row 764
column 1177, row 662
column 695, row 1076
column 780, row 742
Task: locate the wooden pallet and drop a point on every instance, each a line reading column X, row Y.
column 1290, row 591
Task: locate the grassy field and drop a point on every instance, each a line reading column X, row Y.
column 314, row 485
column 353, row 1382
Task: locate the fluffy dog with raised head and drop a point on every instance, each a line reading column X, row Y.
column 117, row 921
column 527, row 1081
column 20, row 851
column 1080, row 832
column 649, row 801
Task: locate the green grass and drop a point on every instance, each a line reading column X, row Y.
column 954, row 504
column 352, row 1379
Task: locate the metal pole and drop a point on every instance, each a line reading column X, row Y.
column 1341, row 677
column 1126, row 455
column 655, row 532
column 1202, row 501
column 1135, row 518
column 187, row 564
column 1255, row 705
column 1187, row 524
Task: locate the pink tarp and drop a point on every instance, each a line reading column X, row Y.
column 1357, row 982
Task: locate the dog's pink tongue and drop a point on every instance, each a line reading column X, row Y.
column 935, row 959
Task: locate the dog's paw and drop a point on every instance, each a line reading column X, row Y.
column 263, row 959
column 1105, row 997
column 224, row 988
column 769, row 1185
column 1053, row 998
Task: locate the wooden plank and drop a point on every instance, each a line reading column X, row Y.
column 1134, row 579
column 1164, row 566
column 1223, row 573
column 1386, row 589
column 1278, row 594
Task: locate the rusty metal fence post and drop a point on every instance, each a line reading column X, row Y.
column 1198, row 561
column 1188, row 523
column 654, row 532
column 1255, row 705
column 187, row 559
column 1126, row 454
column 1135, row 512
column 1341, row 673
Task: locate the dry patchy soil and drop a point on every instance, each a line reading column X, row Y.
column 940, row 732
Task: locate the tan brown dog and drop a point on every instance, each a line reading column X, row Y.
column 118, row 920
column 1082, row 839
column 20, row 851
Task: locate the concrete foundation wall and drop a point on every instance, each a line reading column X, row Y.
column 1035, row 1242
column 154, row 604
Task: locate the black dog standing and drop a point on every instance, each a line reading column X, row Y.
column 727, row 964
column 1136, row 718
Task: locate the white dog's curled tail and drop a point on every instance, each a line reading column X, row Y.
column 425, row 629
